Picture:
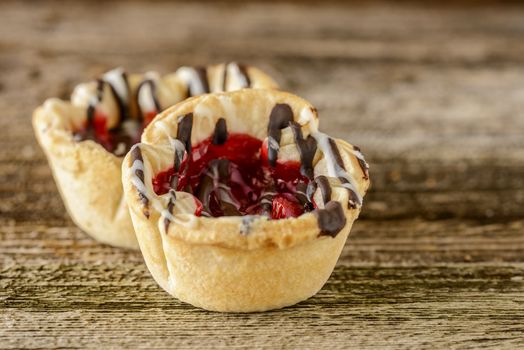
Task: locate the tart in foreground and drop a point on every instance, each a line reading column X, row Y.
column 85, row 139
column 239, row 203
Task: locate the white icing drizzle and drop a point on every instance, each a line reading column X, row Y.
column 273, row 143
column 334, row 169
column 184, row 211
column 360, row 156
column 306, row 116
column 146, row 100
column 190, row 77
column 120, row 149
column 115, row 77
column 240, row 81
column 177, row 145
column 84, row 95
column 165, row 129
column 135, row 180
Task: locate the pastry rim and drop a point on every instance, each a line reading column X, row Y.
column 264, row 233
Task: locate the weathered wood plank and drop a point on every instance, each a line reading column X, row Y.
column 118, row 305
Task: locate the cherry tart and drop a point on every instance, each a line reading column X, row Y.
column 239, row 202
column 86, row 138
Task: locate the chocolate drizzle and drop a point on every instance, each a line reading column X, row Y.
column 242, row 70
column 125, row 133
column 331, row 220
column 170, row 207
column 301, row 194
column 336, row 154
column 214, row 191
column 220, row 134
column 266, row 200
column 306, row 148
column 122, row 105
column 201, row 74
column 363, row 165
column 183, row 138
column 183, row 135
column 151, row 84
column 354, row 200
column 322, row 183
column 92, row 105
column 280, row 117
column 120, row 100
column 224, row 77
column 136, row 156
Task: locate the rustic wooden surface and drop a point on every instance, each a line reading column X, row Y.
column 435, row 98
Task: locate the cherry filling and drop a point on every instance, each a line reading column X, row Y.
column 117, row 140
column 235, row 178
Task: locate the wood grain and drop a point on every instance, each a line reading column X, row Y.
column 432, row 94
column 398, row 284
column 100, row 305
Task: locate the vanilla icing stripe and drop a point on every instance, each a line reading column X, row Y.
column 336, row 167
column 196, row 80
column 137, row 171
column 119, row 85
column 361, row 161
column 237, row 71
column 182, row 145
column 306, row 148
column 94, row 101
column 243, row 74
column 146, row 97
column 280, row 117
column 148, row 199
column 170, row 207
column 266, row 200
column 320, row 182
column 301, row 195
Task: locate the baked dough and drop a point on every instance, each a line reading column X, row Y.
column 88, row 174
column 243, row 263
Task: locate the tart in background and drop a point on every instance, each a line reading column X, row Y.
column 85, row 138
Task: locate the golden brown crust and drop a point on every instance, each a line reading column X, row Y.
column 86, row 175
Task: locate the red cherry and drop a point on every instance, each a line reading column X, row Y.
column 148, row 117
column 250, row 175
column 199, row 206
column 264, row 151
column 161, row 181
column 285, row 208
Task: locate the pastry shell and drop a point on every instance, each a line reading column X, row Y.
column 88, row 177
column 235, row 263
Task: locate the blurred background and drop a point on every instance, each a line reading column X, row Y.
column 432, row 93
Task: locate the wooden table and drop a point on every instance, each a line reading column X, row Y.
column 435, row 98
